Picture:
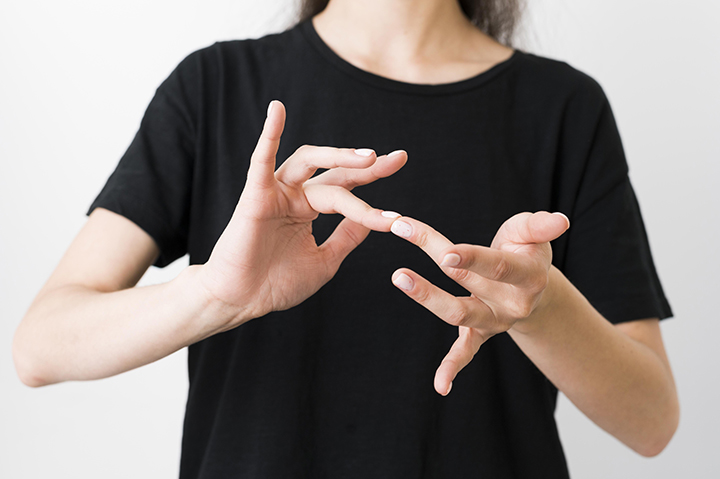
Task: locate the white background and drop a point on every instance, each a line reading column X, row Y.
column 75, row 78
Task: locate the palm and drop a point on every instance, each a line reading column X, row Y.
column 516, row 237
column 286, row 266
column 267, row 258
column 506, row 281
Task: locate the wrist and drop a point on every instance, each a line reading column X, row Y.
column 213, row 315
column 546, row 306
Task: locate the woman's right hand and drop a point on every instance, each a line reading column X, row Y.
column 88, row 321
column 267, row 259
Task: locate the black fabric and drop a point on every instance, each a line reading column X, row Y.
column 341, row 386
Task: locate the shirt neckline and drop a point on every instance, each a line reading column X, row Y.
column 311, row 35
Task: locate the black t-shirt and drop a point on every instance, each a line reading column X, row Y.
column 341, row 386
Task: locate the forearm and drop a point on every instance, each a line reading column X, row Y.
column 75, row 333
column 619, row 383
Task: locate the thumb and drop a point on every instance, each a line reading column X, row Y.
column 532, row 228
column 346, row 237
column 543, row 226
column 262, row 161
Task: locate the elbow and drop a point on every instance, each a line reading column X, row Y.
column 653, row 444
column 27, row 372
column 30, row 380
column 652, row 449
column 27, row 377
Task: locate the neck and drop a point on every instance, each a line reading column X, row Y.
column 420, row 41
column 412, row 28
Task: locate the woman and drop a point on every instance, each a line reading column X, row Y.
column 335, row 379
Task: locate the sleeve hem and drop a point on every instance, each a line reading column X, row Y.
column 635, row 309
column 148, row 219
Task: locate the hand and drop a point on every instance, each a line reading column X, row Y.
column 267, row 259
column 506, row 281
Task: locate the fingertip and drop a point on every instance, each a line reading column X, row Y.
column 451, row 259
column 402, row 280
column 402, row 227
column 364, row 152
column 387, row 165
column 389, row 218
column 274, row 106
column 567, row 220
column 442, row 387
column 275, row 121
column 397, row 155
column 545, row 226
column 381, row 220
column 360, row 159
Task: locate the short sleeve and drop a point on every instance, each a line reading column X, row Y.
column 151, row 184
column 607, row 254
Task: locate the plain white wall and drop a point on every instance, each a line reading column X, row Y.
column 75, row 78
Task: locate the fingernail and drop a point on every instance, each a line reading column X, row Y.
column 270, row 107
column 403, row 282
column 395, row 153
column 448, row 389
column 401, row 228
column 364, row 152
column 561, row 214
column 390, row 214
column 450, row 259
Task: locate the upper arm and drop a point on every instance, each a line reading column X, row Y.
column 109, row 253
column 647, row 332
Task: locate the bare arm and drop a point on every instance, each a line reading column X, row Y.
column 89, row 322
column 619, row 376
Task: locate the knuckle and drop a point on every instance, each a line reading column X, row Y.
column 501, row 270
column 346, row 180
column 334, row 199
column 493, row 329
column 484, row 335
column 367, row 215
column 468, row 258
column 459, row 275
column 459, row 316
column 539, row 282
column 366, row 208
column 303, row 149
column 421, row 294
column 421, row 239
column 522, row 309
column 492, row 326
column 451, row 363
column 353, row 236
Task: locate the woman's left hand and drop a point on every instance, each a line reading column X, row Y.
column 507, row 281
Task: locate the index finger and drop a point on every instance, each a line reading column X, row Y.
column 479, row 261
column 262, row 161
column 421, row 235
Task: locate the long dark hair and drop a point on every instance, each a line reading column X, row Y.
column 497, row 18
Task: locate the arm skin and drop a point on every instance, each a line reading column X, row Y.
column 618, row 376
column 88, row 321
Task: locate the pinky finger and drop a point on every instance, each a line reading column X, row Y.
column 461, row 353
